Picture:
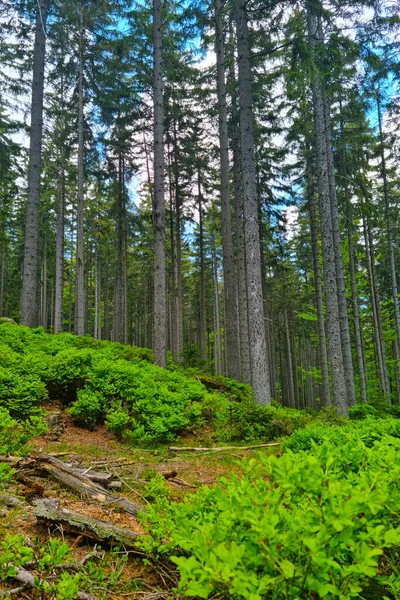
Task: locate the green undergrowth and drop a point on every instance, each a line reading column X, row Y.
column 321, row 523
column 101, row 381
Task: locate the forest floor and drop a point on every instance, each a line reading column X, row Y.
column 120, row 574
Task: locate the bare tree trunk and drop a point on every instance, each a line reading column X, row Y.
column 118, row 291
column 389, row 233
column 356, row 310
column 241, row 257
column 160, row 294
column 341, row 289
column 231, row 332
column 2, row 277
column 59, row 277
column 29, row 307
column 325, row 387
column 172, row 258
column 44, row 312
column 328, row 248
column 203, row 306
column 79, row 327
column 289, row 363
column 97, row 297
column 376, row 312
column 217, row 321
column 258, row 353
column 179, row 290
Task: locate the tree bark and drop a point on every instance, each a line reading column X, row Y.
column 203, row 305
column 79, row 327
column 160, row 294
column 259, row 366
column 29, row 307
column 118, row 290
column 325, row 387
column 230, row 290
column 328, row 248
column 389, row 233
column 59, row 276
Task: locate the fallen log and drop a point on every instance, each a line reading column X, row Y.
column 50, row 513
column 28, row 580
column 222, row 448
column 83, row 486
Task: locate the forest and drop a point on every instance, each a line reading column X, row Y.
column 199, row 304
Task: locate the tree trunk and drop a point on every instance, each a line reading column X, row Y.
column 29, row 307
column 325, row 387
column 231, row 332
column 2, row 277
column 59, row 277
column 179, row 290
column 356, row 310
column 44, row 311
column 217, row 323
column 341, row 289
column 79, row 327
column 376, row 311
column 241, row 253
column 118, row 290
column 203, row 306
column 160, row 294
column 328, row 248
column 389, row 233
column 259, row 365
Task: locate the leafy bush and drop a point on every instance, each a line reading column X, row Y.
column 68, row 371
column 368, row 430
column 249, row 422
column 15, row 435
column 21, row 395
column 88, row 409
column 361, row 411
column 117, row 420
column 301, row 526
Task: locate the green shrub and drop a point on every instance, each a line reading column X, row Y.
column 367, row 430
column 15, row 435
column 68, row 371
column 117, row 420
column 317, row 525
column 21, row 395
column 248, row 422
column 88, row 409
column 361, row 411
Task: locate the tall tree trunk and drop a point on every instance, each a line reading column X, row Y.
column 44, row 312
column 97, row 296
column 376, row 308
column 217, row 321
column 389, row 233
column 2, row 278
column 203, row 306
column 328, row 247
column 259, row 366
column 160, row 293
column 118, row 290
column 241, row 253
column 325, row 387
column 173, row 316
column 289, row 363
column 356, row 310
column 59, row 276
column 178, row 245
column 231, row 331
column 29, row 307
column 341, row 289
column 80, row 271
